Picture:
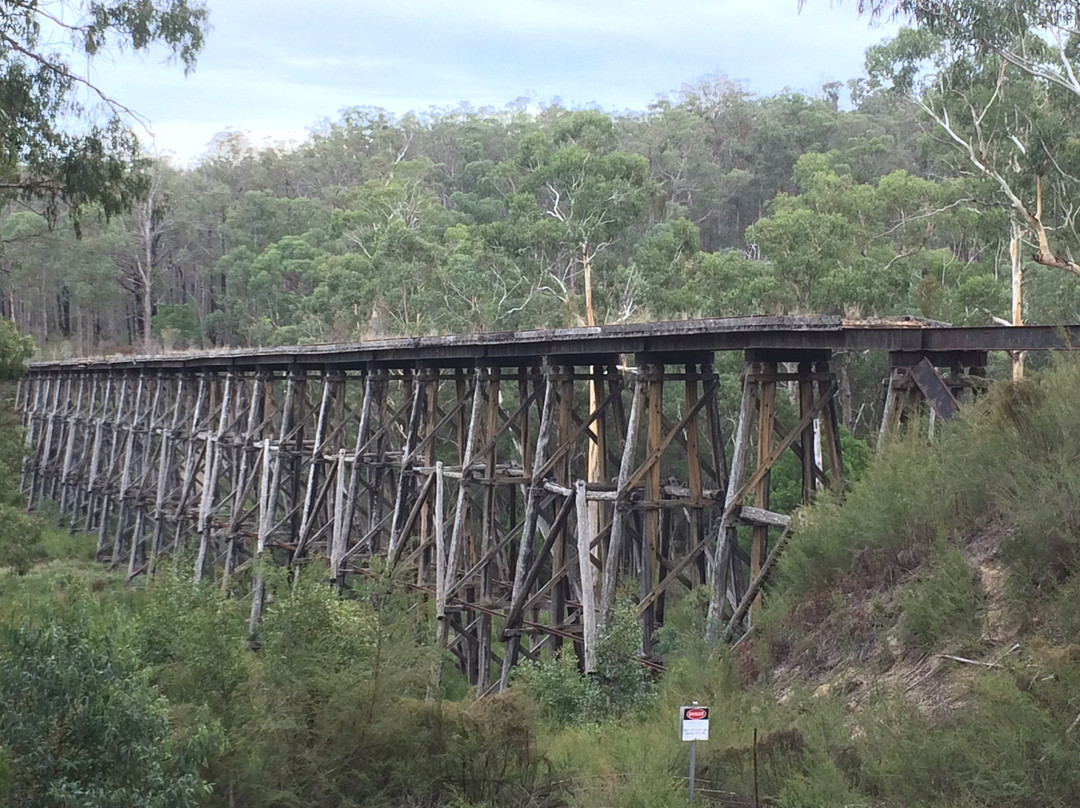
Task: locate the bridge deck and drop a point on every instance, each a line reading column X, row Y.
column 683, row 337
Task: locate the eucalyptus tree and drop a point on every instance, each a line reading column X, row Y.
column 81, row 726
column 58, row 287
column 998, row 78
column 899, row 245
column 572, row 196
column 52, row 148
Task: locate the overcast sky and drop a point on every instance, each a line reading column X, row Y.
column 275, row 68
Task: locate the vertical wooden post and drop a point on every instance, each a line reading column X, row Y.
column 339, row 529
column 245, row 475
column 74, row 430
column 270, row 483
column 166, row 471
column 650, row 556
column 526, row 547
column 380, row 474
column 460, row 512
column 31, row 420
column 41, row 477
column 430, row 380
column 211, row 464
column 618, row 519
column 441, row 557
column 588, row 578
column 190, row 463
column 441, row 581
column 343, row 530
column 112, row 504
column 806, row 405
column 693, row 463
column 406, row 459
column 596, row 469
column 315, row 462
column 123, row 494
column 95, row 454
column 560, row 591
column 766, row 415
column 716, row 432
column 726, row 532
column 79, row 505
column 294, row 451
column 483, row 650
column 60, row 415
column 890, row 415
column 830, row 434
column 137, row 549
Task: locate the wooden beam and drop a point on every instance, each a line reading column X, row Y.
column 766, row 413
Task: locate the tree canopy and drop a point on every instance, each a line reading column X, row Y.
column 63, row 142
column 999, row 79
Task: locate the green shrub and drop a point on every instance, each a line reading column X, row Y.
column 617, row 687
column 81, row 725
column 176, row 325
column 58, row 544
column 944, row 604
column 1002, row 748
column 869, row 527
column 483, row 753
column 819, row 785
column 192, row 636
column 564, row 695
column 20, row 539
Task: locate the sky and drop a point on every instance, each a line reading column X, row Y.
column 275, row 69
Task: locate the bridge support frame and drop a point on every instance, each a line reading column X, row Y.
column 526, row 502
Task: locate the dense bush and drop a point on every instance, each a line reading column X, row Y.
column 1003, row 748
column 81, row 726
column 20, row 539
column 331, row 708
column 619, row 685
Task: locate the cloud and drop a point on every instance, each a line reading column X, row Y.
column 281, row 66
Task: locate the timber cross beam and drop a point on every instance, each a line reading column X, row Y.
column 527, row 484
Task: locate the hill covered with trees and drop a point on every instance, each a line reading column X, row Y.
column 710, row 202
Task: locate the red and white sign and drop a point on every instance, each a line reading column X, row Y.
column 694, row 723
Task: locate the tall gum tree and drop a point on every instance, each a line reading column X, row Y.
column 999, row 78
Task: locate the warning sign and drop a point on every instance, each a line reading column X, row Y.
column 694, row 723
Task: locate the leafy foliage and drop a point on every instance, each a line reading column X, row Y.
column 944, row 605
column 80, row 724
column 20, row 539
column 619, row 685
column 44, row 153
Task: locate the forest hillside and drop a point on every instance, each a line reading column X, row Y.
column 713, row 201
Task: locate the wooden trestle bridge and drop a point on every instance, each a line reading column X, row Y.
column 520, row 479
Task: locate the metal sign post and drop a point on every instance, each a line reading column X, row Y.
column 693, row 727
column 693, row 768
